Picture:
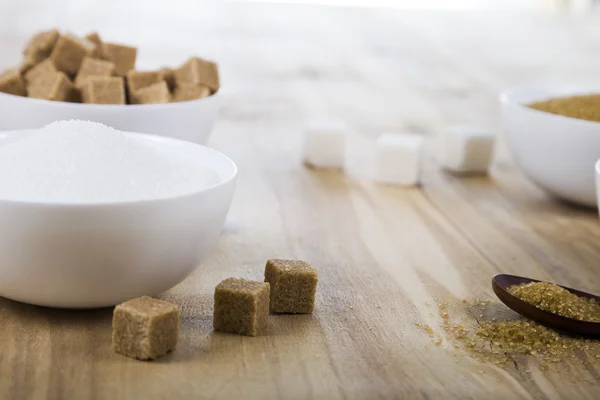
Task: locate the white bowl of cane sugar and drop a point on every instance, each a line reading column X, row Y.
column 91, row 216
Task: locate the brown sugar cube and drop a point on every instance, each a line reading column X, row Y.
column 293, row 286
column 241, row 306
column 103, row 90
column 168, row 75
column 93, row 67
column 137, row 80
column 123, row 57
column 157, row 93
column 145, row 328
column 11, row 82
column 56, row 86
column 69, row 52
column 41, row 45
column 26, row 66
column 98, row 45
column 189, row 91
column 46, row 67
column 197, row 70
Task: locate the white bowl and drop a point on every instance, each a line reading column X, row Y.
column 558, row 153
column 188, row 120
column 87, row 255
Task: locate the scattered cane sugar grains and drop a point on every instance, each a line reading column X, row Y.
column 557, row 300
column 582, row 107
column 492, row 334
column 87, row 162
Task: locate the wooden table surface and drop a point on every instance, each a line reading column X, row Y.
column 381, row 252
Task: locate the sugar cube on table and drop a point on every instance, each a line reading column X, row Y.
column 398, row 158
column 467, row 149
column 325, row 144
column 241, row 306
column 293, row 286
column 145, row 328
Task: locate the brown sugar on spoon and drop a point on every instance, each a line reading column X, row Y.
column 557, row 300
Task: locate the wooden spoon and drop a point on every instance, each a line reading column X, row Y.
column 500, row 284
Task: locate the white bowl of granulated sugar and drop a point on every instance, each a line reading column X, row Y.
column 91, row 216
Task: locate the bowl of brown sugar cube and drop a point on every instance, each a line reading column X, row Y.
column 63, row 76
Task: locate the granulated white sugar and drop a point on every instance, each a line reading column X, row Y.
column 83, row 162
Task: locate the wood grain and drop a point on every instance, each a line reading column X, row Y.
column 382, row 252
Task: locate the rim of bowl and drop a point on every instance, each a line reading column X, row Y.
column 597, row 168
column 506, row 97
column 65, row 104
column 93, row 204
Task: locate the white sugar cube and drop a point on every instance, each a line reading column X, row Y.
column 325, row 144
column 467, row 149
column 398, row 158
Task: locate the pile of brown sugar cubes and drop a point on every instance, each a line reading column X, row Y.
column 64, row 67
column 147, row 328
